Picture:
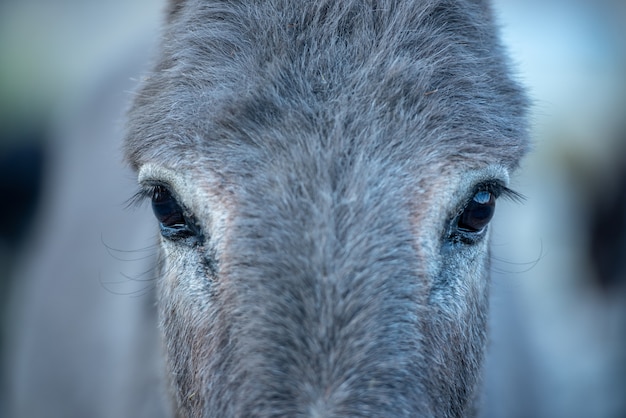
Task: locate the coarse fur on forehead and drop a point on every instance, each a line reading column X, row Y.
column 414, row 83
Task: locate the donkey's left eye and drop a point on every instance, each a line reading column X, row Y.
column 478, row 212
column 172, row 220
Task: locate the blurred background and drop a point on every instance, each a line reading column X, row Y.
column 67, row 71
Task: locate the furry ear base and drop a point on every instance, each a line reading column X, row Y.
column 173, row 8
column 483, row 4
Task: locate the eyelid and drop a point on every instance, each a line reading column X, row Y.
column 151, row 175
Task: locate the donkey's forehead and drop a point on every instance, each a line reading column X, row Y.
column 256, row 129
column 410, row 83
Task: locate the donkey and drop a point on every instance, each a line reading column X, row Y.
column 323, row 174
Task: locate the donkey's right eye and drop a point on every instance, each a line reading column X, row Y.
column 171, row 216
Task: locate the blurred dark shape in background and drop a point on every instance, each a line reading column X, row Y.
column 21, row 167
column 22, row 158
column 607, row 237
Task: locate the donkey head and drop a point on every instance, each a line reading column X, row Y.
column 323, row 174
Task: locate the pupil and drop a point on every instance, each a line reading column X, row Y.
column 478, row 212
column 166, row 209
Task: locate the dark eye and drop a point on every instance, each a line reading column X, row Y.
column 172, row 220
column 478, row 212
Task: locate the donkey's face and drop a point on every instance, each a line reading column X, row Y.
column 323, row 174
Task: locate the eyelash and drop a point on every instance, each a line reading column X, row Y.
column 499, row 190
column 143, row 194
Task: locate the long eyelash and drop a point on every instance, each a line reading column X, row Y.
column 500, row 190
column 512, row 195
column 144, row 193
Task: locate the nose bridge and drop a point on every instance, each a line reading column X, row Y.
column 308, row 222
column 334, row 214
column 328, row 284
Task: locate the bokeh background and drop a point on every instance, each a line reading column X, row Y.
column 67, row 70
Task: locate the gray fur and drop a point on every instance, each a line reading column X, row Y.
column 324, row 149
